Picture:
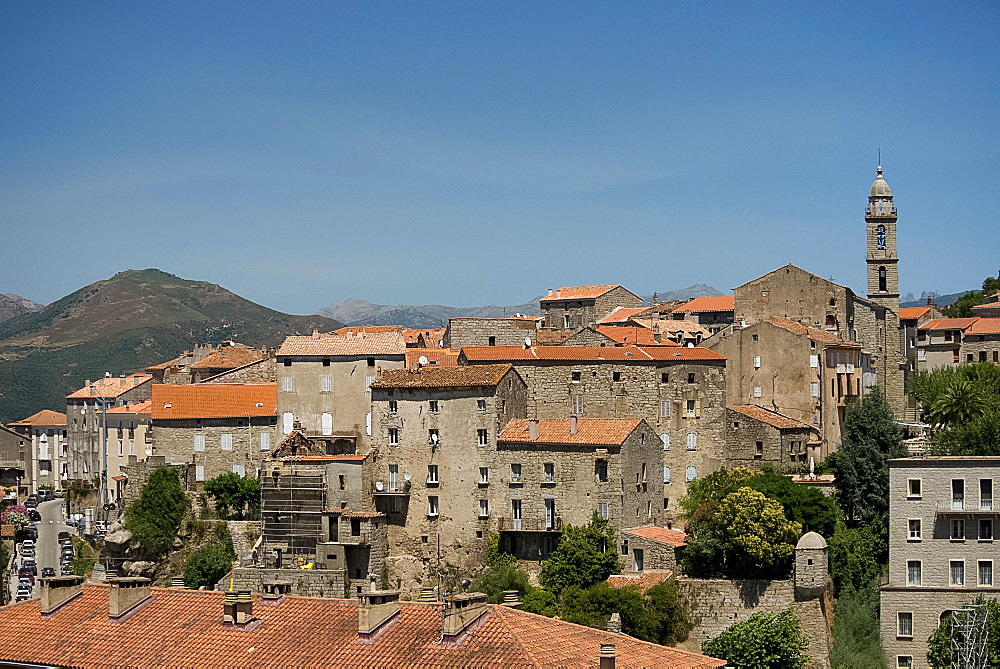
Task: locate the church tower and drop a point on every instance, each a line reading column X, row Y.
column 883, row 292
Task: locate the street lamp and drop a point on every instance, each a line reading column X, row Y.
column 98, row 397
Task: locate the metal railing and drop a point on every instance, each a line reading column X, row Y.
column 529, row 524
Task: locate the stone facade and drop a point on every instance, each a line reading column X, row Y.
column 215, row 446
column 137, row 474
column 577, row 306
column 357, row 542
column 588, row 336
column 310, row 582
column 129, row 434
column 942, row 525
column 13, row 464
column 264, row 370
column 488, row 332
column 753, row 439
column 45, row 435
column 656, row 555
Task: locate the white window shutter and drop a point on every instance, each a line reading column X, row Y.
column 756, row 391
column 265, row 441
column 814, row 361
column 665, row 440
column 666, row 474
column 199, row 442
column 368, row 424
column 327, row 420
column 226, row 442
column 286, row 422
column 199, row 473
column 756, row 362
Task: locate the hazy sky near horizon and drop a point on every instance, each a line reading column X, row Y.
column 465, row 153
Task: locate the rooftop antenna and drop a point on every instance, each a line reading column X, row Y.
column 879, row 155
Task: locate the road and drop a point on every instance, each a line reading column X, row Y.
column 47, row 544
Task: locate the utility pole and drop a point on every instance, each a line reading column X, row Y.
column 104, row 448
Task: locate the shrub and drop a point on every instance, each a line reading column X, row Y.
column 155, row 517
column 542, row 602
column 494, row 581
column 208, row 565
column 763, row 641
column 584, row 556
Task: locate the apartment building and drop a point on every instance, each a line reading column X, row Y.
column 576, row 306
column 13, row 465
column 942, row 527
column 45, row 437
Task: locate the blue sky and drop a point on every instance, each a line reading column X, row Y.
column 470, row 153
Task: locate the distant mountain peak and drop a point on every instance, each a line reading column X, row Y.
column 14, row 305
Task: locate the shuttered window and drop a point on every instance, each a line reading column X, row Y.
column 286, row 422
column 226, row 442
column 327, row 424
column 199, row 442
column 265, row 441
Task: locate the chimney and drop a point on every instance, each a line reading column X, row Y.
column 930, row 300
column 550, row 291
column 376, row 610
column 656, row 335
column 125, row 594
column 315, row 333
column 615, row 623
column 86, row 384
column 607, row 656
column 244, row 607
column 559, row 293
column 57, row 590
column 229, row 608
column 275, row 591
column 573, row 427
column 460, row 612
column 533, row 429
column 510, row 599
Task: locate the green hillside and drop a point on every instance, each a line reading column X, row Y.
column 123, row 324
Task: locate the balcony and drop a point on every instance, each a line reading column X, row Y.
column 965, row 507
column 529, row 525
column 394, row 491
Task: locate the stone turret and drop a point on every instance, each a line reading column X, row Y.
column 810, row 566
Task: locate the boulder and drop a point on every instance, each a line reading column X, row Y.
column 117, row 539
column 178, row 544
column 142, row 568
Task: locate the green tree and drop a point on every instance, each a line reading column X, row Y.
column 208, row 565
column 854, row 553
column 757, row 534
column 962, row 307
column 542, row 602
column 939, row 643
column 870, row 438
column 585, row 555
column 857, row 640
column 495, row 580
column 960, row 402
column 669, row 613
column 991, row 285
column 495, row 557
column 155, row 517
column 762, row 641
column 704, row 555
column 234, row 494
column 814, row 510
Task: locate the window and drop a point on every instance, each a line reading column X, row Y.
column 957, row 572
column 325, row 385
column 550, row 472
column 756, row 391
column 433, row 406
column 433, row 436
column 393, row 436
column 239, row 470
column 566, row 322
column 666, row 503
column 286, row 362
column 326, row 422
column 432, row 506
column 550, row 514
column 286, row 422
column 484, row 475
column 481, row 406
column 904, row 661
column 602, row 510
column 616, row 376
column 482, row 437
column 666, row 474
column 121, row 447
column 756, row 362
column 986, row 529
column 913, row 572
column 958, row 494
column 814, row 389
column 665, row 440
column 649, row 509
column 958, row 529
column 664, row 377
column 393, row 406
column 393, row 478
column 921, row 355
column 913, row 487
column 265, row 441
column 515, row 473
column 986, row 572
column 755, row 337
column 986, row 494
column 881, row 279
column 432, row 473
column 691, row 473
column 484, row 508
column 601, row 469
column 577, row 404
column 758, row 451
column 643, row 472
column 637, row 558
column 689, row 409
column 286, row 384
column 199, row 472
column 326, row 362
column 692, row 441
column 814, row 361
column 199, row 442
column 368, row 382
column 491, row 341
column 691, row 377
column 904, row 624
column 914, row 526
column 664, row 408
column 226, row 441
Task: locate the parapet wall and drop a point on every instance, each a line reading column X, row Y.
column 312, row 582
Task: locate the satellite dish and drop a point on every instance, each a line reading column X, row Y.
column 422, row 361
column 434, row 438
column 379, row 486
column 690, row 345
column 527, row 342
column 406, row 476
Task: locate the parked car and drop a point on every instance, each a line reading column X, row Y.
column 27, row 543
column 23, row 593
column 63, row 535
column 27, row 552
column 34, row 515
column 67, row 570
column 27, row 574
column 48, row 571
column 11, row 496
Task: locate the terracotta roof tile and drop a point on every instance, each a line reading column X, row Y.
column 579, row 292
column 772, row 418
column 641, row 336
column 133, row 407
column 908, row 313
column 469, row 376
column 622, row 314
column 44, row 417
column 412, row 335
column 643, row 580
column 590, row 431
column 682, row 354
column 214, row 400
column 436, row 357
column 111, row 386
column 662, row 534
column 179, row 360
column 588, row 353
column 183, row 628
column 985, row 326
column 813, row 333
column 228, row 357
column 350, row 344
column 708, row 304
column 949, row 324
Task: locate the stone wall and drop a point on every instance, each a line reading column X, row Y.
column 586, row 311
column 487, row 332
column 261, row 371
column 982, row 348
column 175, row 441
column 588, row 336
column 138, row 472
column 312, row 582
column 656, row 555
column 744, row 433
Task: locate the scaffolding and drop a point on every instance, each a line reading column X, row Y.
column 293, row 500
column 969, row 637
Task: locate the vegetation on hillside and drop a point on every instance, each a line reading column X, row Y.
column 763, row 641
column 962, row 307
column 963, row 405
column 155, row 517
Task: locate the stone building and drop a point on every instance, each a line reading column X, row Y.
column 46, row 432
column 990, row 308
column 942, row 525
column 679, row 391
column 576, row 306
column 652, row 548
column 807, row 374
column 323, row 381
column 811, row 566
column 130, row 435
column 756, row 435
column 939, row 342
column 206, row 360
column 638, row 335
column 981, row 342
column 438, row 431
column 424, row 337
column 623, row 315
column 712, row 313
column 13, row 463
column 468, row 331
column 556, row 472
column 84, row 419
column 436, row 357
column 264, row 370
column 217, row 428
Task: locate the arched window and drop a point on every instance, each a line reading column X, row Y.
column 881, row 279
column 880, row 230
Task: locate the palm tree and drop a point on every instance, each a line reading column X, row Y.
column 960, row 402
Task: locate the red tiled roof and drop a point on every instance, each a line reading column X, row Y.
column 228, row 357
column 411, row 335
column 350, row 344
column 621, row 314
column 682, row 353
column 133, row 407
column 662, row 534
column 772, row 418
column 633, row 335
column 813, row 333
column 985, row 326
column 579, row 292
column 110, row 386
column 178, row 627
column 444, row 357
column 949, row 323
column 707, row 304
column 214, row 400
column 591, row 431
column 170, row 363
column 643, row 580
column 469, row 376
column 589, row 353
column 907, row 313
column 44, row 417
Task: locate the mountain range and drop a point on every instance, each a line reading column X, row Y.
column 363, row 312
column 14, row 305
column 134, row 319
